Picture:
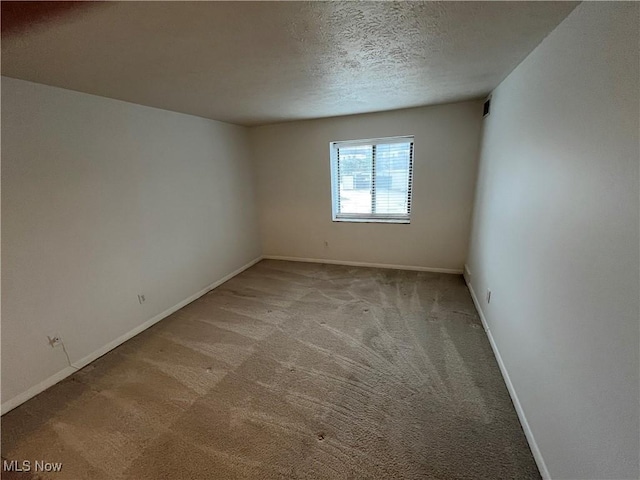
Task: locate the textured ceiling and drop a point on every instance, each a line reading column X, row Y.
column 253, row 63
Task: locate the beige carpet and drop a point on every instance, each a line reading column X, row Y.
column 289, row 370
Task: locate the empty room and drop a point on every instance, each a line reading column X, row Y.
column 320, row 240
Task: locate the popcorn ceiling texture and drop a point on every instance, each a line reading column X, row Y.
column 289, row 370
column 262, row 62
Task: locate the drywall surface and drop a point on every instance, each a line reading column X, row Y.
column 555, row 238
column 294, row 184
column 102, row 201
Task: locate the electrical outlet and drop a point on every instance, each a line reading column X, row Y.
column 141, row 299
column 488, row 296
column 54, row 340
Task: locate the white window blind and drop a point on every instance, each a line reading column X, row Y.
column 371, row 180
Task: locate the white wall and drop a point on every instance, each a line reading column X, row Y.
column 294, row 184
column 555, row 237
column 103, row 200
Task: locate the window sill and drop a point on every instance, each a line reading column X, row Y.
column 373, row 220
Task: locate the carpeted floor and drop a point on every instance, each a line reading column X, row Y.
column 289, row 370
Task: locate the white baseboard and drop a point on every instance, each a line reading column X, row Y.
column 467, row 273
column 36, row 389
column 537, row 455
column 61, row 375
column 365, row 264
column 75, row 366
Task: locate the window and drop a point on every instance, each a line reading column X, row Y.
column 371, row 180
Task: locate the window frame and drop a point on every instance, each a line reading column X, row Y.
column 335, row 187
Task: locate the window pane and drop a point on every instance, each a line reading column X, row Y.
column 392, row 178
column 354, row 187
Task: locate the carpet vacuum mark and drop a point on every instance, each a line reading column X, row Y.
column 289, row 370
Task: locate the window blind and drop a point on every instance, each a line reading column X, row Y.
column 372, row 179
